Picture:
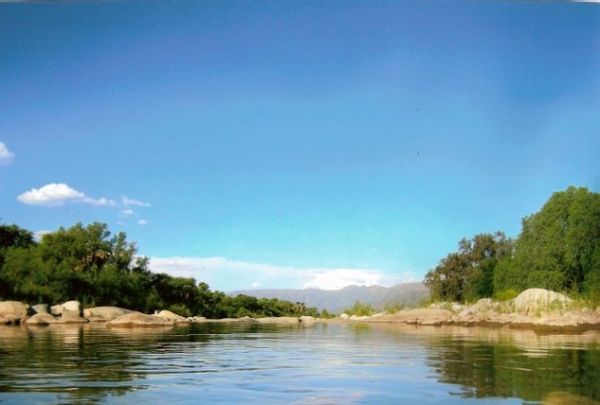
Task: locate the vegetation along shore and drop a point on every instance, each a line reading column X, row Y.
column 548, row 278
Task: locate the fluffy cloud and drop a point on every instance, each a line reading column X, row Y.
column 142, row 222
column 126, row 201
column 126, row 212
column 56, row 194
column 6, row 156
column 229, row 275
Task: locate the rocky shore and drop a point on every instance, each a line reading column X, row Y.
column 537, row 309
column 71, row 312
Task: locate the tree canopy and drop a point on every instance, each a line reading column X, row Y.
column 558, row 248
column 89, row 264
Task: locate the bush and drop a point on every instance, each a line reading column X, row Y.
column 506, row 295
column 360, row 309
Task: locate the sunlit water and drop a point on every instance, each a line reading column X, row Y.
column 324, row 363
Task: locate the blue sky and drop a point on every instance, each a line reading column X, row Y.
column 291, row 144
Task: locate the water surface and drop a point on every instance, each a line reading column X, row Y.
column 324, row 363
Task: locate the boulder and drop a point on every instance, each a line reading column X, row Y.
column 344, row 316
column 72, row 306
column 137, row 319
column 40, row 308
column 56, row 309
column 307, row 319
column 104, row 313
column 71, row 317
column 14, row 309
column 279, row 319
column 420, row 316
column 536, row 300
column 197, row 319
column 42, row 319
column 171, row 316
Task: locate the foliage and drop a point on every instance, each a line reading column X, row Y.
column 90, row 265
column 558, row 249
column 468, row 274
column 393, row 307
column 359, row 309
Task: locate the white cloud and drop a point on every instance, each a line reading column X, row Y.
column 126, row 212
column 130, row 201
column 143, row 222
column 52, row 194
column 6, row 156
column 228, row 275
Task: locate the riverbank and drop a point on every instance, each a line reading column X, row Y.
column 538, row 309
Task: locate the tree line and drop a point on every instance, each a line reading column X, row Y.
column 89, row 264
column 558, row 248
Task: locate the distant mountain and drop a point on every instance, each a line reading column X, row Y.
column 338, row 300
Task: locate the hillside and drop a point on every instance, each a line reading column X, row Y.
column 337, row 300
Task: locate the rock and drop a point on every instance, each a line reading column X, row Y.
column 73, row 306
column 171, row 316
column 137, row 319
column 42, row 319
column 279, row 319
column 536, row 300
column 56, row 309
column 344, row 316
column 40, row 308
column 104, row 313
column 15, row 309
column 197, row 319
column 420, row 316
column 71, row 317
column 307, row 319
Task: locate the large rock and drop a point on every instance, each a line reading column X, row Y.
column 104, row 313
column 56, row 309
column 14, row 309
column 40, row 308
column 71, row 317
column 171, row 316
column 307, row 319
column 197, row 319
column 137, row 319
column 418, row 316
column 72, row 306
column 537, row 300
column 42, row 319
column 279, row 319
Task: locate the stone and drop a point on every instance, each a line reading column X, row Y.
column 104, row 313
column 73, row 306
column 197, row 319
column 536, row 300
column 40, row 308
column 137, row 319
column 344, row 316
column 71, row 317
column 307, row 319
column 172, row 316
column 56, row 309
column 42, row 319
column 14, row 308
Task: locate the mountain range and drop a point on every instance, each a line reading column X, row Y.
column 337, row 300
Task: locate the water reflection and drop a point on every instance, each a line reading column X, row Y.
column 327, row 363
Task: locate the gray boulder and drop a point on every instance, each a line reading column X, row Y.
column 104, row 313
column 137, row 319
column 171, row 316
column 14, row 309
column 536, row 300
column 71, row 317
column 42, row 319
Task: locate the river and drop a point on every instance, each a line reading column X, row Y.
column 321, row 364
